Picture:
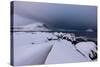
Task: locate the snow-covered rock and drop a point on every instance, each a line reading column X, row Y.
column 64, row 52
column 69, row 36
column 86, row 47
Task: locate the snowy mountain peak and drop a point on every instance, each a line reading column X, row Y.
column 39, row 25
column 33, row 27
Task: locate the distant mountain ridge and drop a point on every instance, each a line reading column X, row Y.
column 32, row 27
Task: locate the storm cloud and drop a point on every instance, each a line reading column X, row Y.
column 58, row 16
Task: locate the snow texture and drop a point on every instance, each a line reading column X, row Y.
column 64, row 52
column 46, row 48
column 86, row 47
column 26, row 53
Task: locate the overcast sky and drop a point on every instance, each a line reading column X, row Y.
column 62, row 16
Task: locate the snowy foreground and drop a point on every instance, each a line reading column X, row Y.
column 51, row 48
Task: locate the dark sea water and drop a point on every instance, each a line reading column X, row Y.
column 89, row 35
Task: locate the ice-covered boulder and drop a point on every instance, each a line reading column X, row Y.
column 69, row 36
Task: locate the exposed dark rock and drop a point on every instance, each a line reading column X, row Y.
column 94, row 57
column 75, row 42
